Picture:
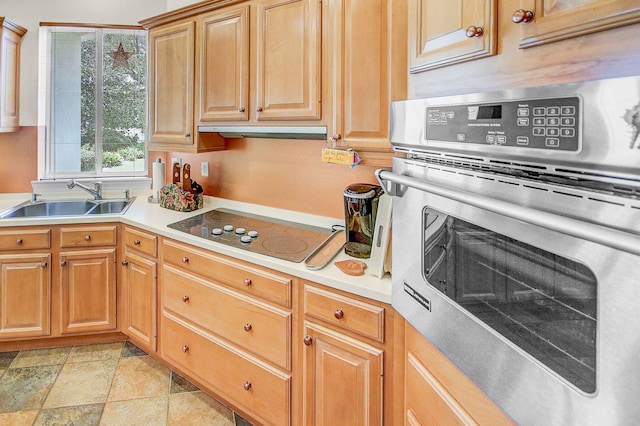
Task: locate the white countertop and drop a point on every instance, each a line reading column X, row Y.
column 154, row 218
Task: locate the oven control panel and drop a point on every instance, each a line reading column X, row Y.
column 550, row 124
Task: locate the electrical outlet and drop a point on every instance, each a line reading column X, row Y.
column 204, row 168
column 175, row 160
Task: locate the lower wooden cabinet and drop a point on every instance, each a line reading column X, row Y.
column 25, row 295
column 88, row 290
column 140, row 300
column 343, row 379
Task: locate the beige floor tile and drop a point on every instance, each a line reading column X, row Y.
column 139, row 377
column 136, row 412
column 18, row 418
column 82, row 383
column 36, row 357
column 197, row 408
column 97, row 352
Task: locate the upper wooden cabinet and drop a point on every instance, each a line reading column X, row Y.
column 172, row 91
column 10, row 38
column 562, row 19
column 444, row 33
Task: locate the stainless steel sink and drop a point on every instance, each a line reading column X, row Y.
column 48, row 208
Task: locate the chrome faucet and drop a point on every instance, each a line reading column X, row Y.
column 97, row 192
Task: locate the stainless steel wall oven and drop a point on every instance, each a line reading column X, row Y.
column 516, row 243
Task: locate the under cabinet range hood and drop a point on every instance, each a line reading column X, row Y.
column 269, row 132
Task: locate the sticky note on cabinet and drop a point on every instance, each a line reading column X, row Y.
column 340, row 156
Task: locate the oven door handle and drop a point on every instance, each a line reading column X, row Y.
column 595, row 233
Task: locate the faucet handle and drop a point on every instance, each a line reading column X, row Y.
column 127, row 194
column 34, row 197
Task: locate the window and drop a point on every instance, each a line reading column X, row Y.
column 92, row 101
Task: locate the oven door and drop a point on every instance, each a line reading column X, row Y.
column 537, row 309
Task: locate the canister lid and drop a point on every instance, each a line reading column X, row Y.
column 361, row 190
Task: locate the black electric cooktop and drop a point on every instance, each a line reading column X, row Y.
column 272, row 237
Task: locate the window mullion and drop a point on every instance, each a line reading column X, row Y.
column 99, row 104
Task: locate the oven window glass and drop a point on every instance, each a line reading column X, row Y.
column 542, row 302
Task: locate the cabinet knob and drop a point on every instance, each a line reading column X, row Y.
column 334, row 138
column 136, row 242
column 187, row 135
column 19, row 241
column 87, row 237
column 474, row 31
column 247, row 327
column 185, row 259
column 241, row 109
column 63, row 262
column 338, row 314
column 247, row 385
column 247, row 282
column 185, row 298
column 522, row 16
column 185, row 348
column 125, row 263
column 43, row 264
column 259, row 109
column 308, row 340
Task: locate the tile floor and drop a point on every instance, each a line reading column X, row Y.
column 103, row 384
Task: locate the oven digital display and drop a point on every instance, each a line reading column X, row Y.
column 485, row 112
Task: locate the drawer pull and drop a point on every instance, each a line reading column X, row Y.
column 338, row 314
column 247, row 282
column 63, row 262
column 185, row 348
column 136, row 242
column 308, row 340
column 125, row 263
column 19, row 241
column 43, row 264
column 185, row 259
column 247, row 385
column 247, row 327
column 185, row 298
column 87, row 237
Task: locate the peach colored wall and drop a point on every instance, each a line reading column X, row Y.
column 286, row 174
column 18, row 164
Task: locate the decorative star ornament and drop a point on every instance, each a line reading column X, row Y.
column 120, row 57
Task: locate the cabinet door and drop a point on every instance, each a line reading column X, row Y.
column 444, row 33
column 140, row 296
column 342, row 379
column 288, row 60
column 223, row 70
column 171, row 74
column 562, row 19
column 10, row 37
column 88, row 290
column 25, row 295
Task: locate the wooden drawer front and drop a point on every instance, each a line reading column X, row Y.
column 25, row 239
column 350, row 314
column 240, row 276
column 140, row 241
column 261, row 391
column 255, row 326
column 88, row 236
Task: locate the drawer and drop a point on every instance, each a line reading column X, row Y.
column 88, row 236
column 140, row 241
column 255, row 326
column 25, row 239
column 261, row 391
column 239, row 275
column 348, row 313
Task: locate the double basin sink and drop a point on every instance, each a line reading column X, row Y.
column 49, row 208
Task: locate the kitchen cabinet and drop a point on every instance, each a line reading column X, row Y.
column 544, row 21
column 437, row 392
column 88, row 279
column 139, row 287
column 172, row 90
column 227, row 325
column 365, row 66
column 345, row 360
column 10, row 39
column 446, row 33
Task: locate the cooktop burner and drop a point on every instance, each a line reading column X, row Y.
column 272, row 237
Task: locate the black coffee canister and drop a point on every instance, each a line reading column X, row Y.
column 360, row 207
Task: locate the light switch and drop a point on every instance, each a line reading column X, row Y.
column 204, row 168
